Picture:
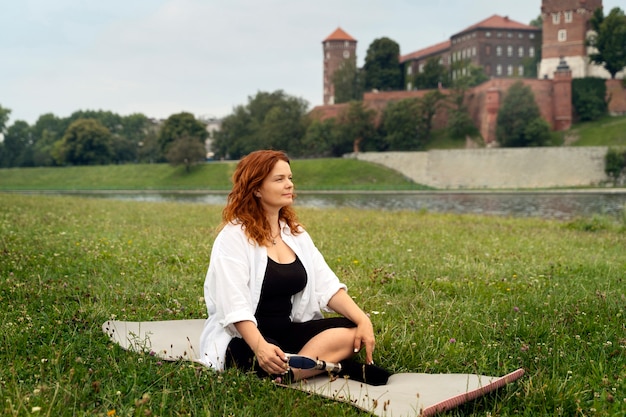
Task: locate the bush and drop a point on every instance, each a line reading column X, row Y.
column 588, row 98
column 519, row 119
column 615, row 164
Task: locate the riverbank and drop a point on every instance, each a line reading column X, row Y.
column 317, row 174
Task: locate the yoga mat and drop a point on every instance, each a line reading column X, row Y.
column 405, row 395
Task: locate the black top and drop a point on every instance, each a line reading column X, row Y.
column 281, row 282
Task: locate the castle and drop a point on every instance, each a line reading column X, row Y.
column 503, row 48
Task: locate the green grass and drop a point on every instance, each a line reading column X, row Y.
column 446, row 293
column 608, row 131
column 316, row 174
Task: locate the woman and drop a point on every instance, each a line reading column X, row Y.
column 267, row 285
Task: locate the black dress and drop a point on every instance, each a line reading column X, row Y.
column 280, row 283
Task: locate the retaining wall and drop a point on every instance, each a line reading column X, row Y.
column 498, row 167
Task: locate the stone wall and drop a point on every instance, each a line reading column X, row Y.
column 498, row 168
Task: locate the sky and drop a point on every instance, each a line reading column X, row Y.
column 162, row 57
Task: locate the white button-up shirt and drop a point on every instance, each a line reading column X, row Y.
column 233, row 287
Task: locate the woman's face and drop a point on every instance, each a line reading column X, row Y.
column 276, row 190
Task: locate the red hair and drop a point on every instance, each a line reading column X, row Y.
column 242, row 207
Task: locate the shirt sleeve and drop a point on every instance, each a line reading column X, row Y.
column 228, row 285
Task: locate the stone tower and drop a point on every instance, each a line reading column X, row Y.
column 338, row 46
column 565, row 29
column 562, row 97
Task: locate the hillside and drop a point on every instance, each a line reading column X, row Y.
column 312, row 174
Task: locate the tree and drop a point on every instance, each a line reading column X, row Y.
column 519, row 119
column 186, row 151
column 615, row 164
column 348, row 82
column 47, row 130
column 181, row 125
column 433, row 75
column 4, row 118
column 86, row 142
column 400, row 125
column 319, row 138
column 269, row 120
column 609, row 40
column 382, row 66
column 537, row 22
column 429, row 105
column 284, row 125
column 17, row 145
column 355, row 126
column 588, row 98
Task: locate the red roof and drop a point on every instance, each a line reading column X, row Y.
column 498, row 22
column 339, row 35
column 422, row 53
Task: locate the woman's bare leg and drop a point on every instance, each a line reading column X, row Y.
column 331, row 345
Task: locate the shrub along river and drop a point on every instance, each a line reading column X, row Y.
column 561, row 204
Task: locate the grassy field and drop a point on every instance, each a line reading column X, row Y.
column 608, row 131
column 311, row 174
column 446, row 293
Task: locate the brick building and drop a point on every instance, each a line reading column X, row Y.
column 415, row 61
column 565, row 29
column 338, row 47
column 503, row 47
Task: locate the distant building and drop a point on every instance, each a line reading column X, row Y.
column 501, row 46
column 338, row 47
column 415, row 61
column 213, row 125
column 566, row 27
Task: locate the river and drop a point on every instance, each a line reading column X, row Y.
column 561, row 204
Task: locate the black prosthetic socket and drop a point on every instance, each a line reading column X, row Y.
column 369, row 374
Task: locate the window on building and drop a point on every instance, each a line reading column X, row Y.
column 473, row 51
column 409, row 86
column 520, row 35
column 509, row 35
column 562, row 35
column 409, row 70
column 346, row 44
column 509, row 70
column 531, row 51
column 327, row 55
column 509, row 50
column 556, row 18
column 531, row 36
column 346, row 54
column 498, row 69
column 441, row 61
column 488, row 34
column 498, row 50
column 421, row 68
column 520, row 51
column 499, row 34
column 520, row 70
column 568, row 16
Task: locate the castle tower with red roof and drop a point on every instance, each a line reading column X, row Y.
column 565, row 29
column 338, row 47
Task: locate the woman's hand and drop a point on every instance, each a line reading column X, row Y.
column 271, row 358
column 365, row 337
column 343, row 304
